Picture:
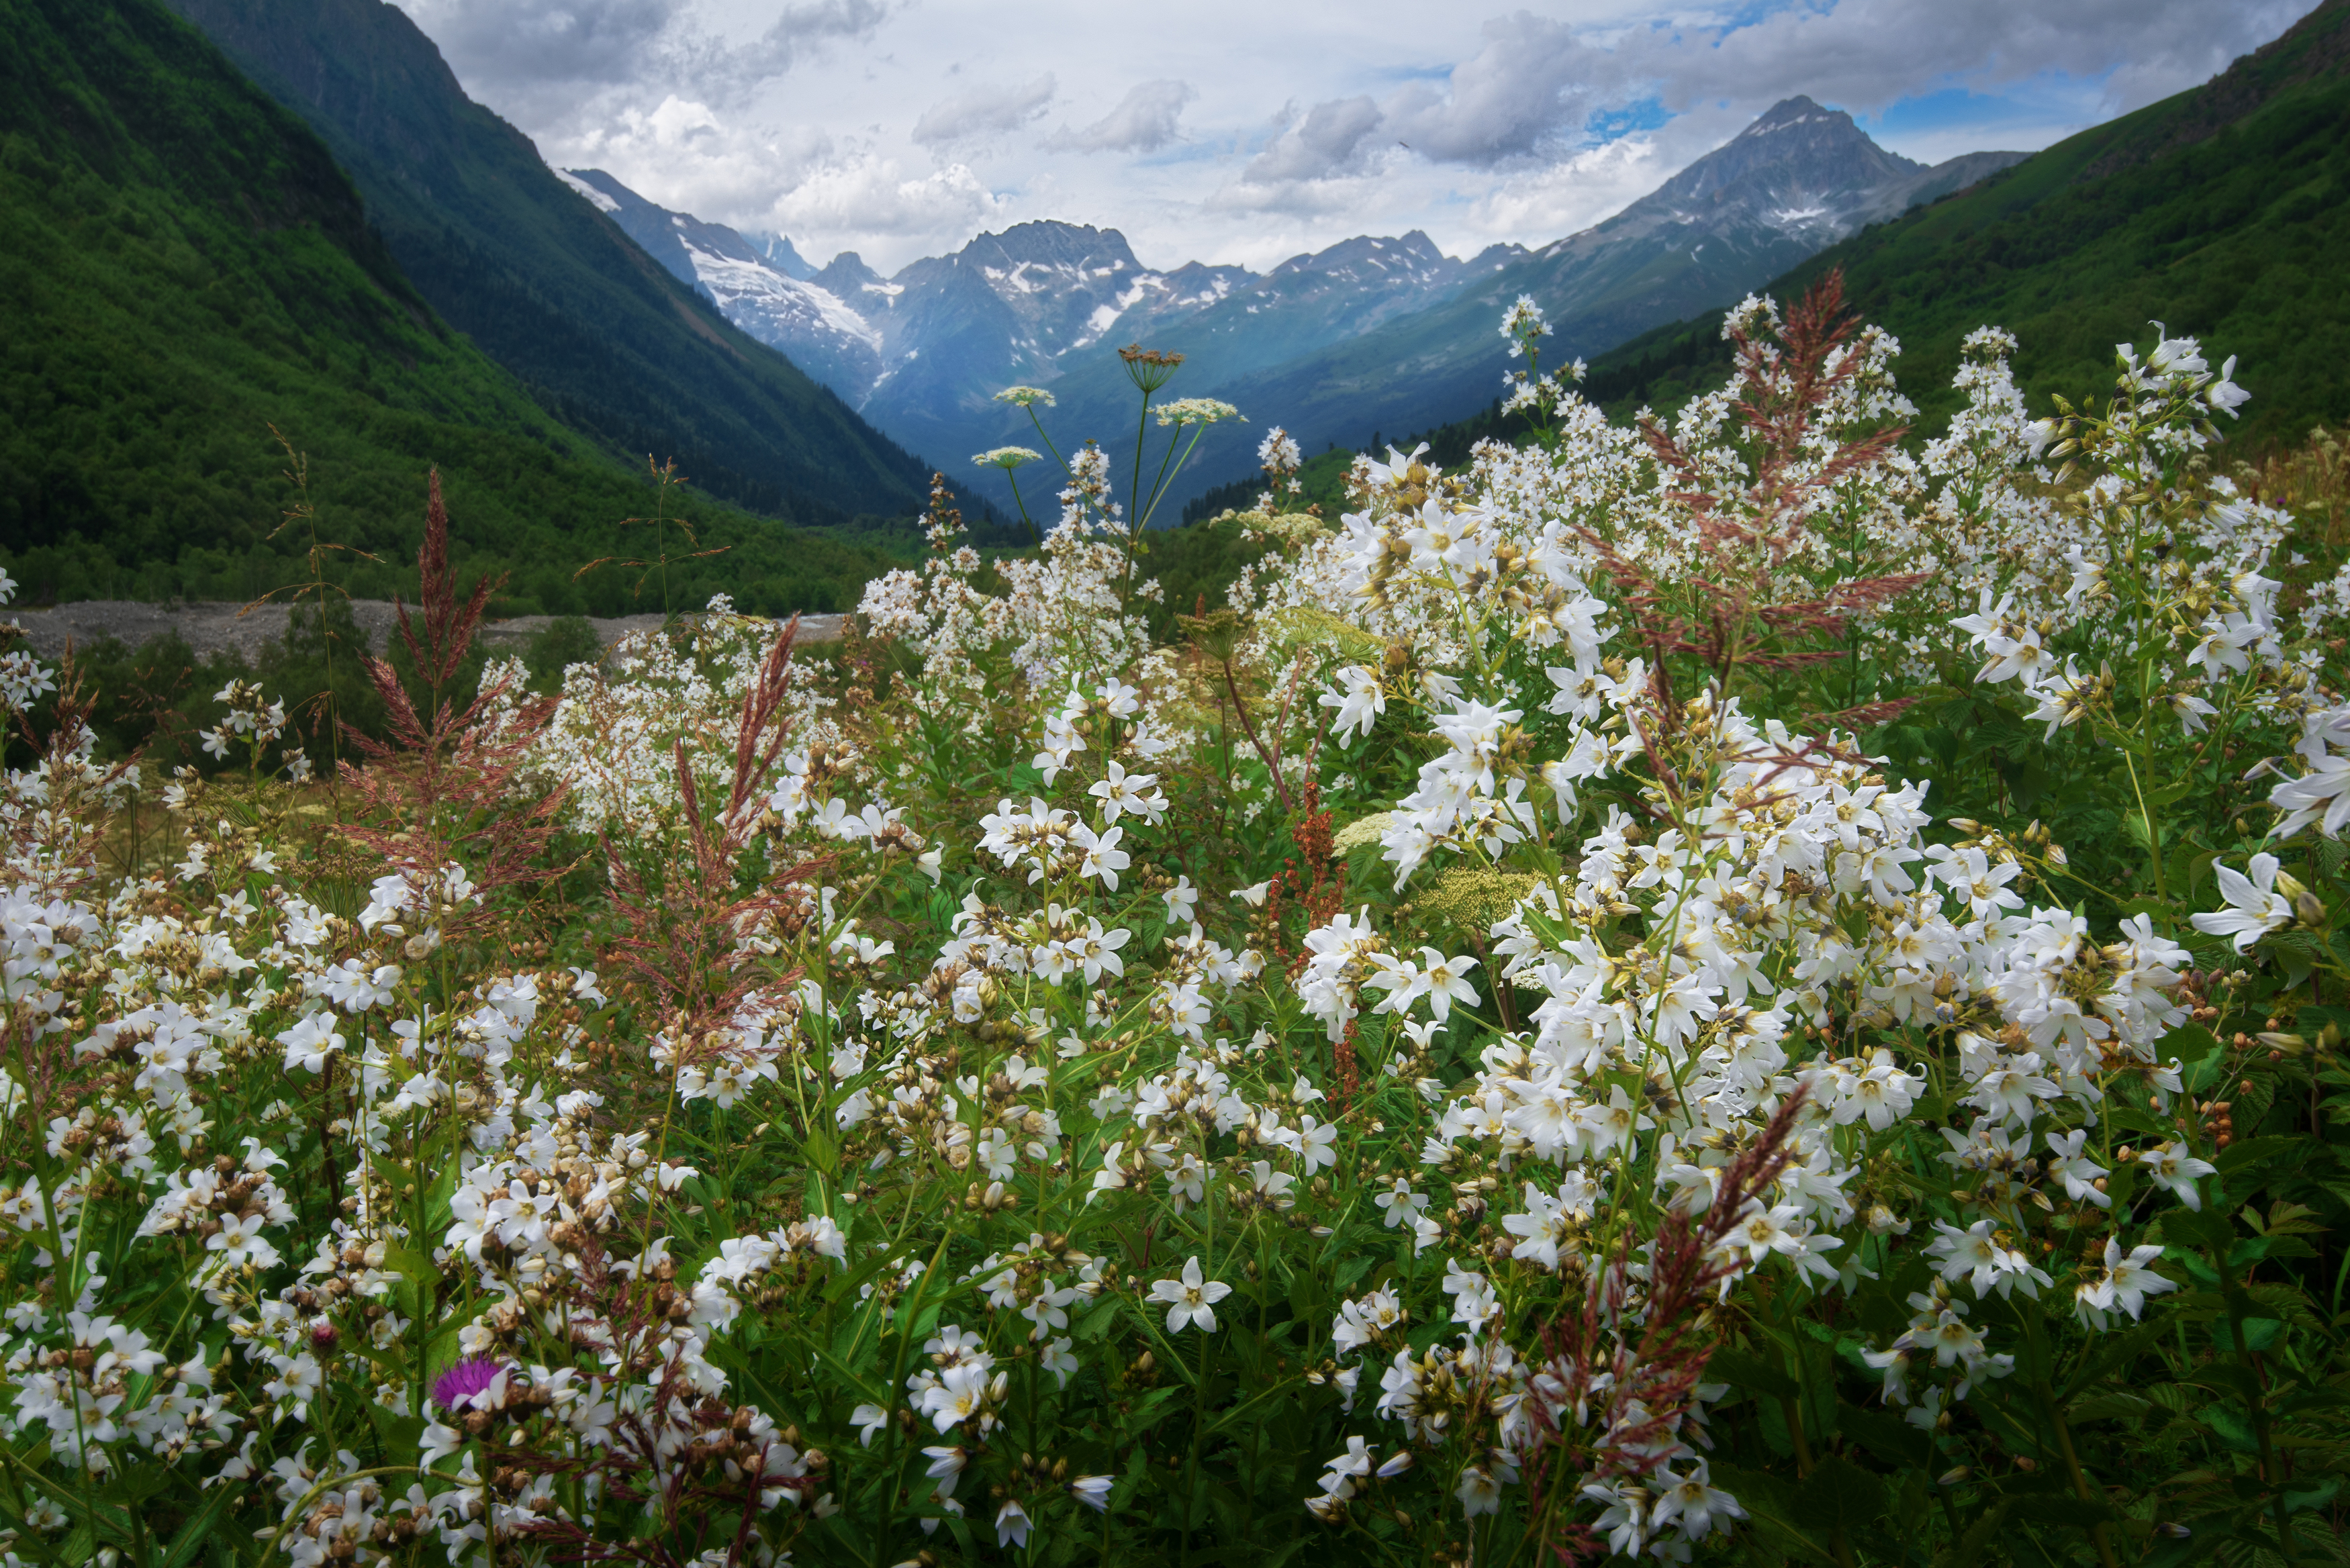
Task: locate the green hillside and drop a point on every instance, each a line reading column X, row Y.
column 182, row 263
column 545, row 283
column 2223, row 212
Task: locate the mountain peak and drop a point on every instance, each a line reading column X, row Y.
column 1793, row 112
column 782, row 255
column 1798, row 163
column 1789, row 113
column 1049, row 242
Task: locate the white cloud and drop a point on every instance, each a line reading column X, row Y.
column 854, row 202
column 526, row 42
column 983, row 112
column 550, row 59
column 1555, row 199
column 684, row 155
column 1531, row 80
column 821, row 116
column 1332, row 139
column 1144, row 121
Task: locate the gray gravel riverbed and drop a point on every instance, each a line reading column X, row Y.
column 211, row 628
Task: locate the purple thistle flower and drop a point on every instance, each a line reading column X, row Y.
column 462, row 1382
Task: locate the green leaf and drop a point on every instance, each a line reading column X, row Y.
column 2209, row 1232
column 848, row 1376
column 2261, row 1334
column 851, row 1347
column 2233, row 1427
column 2149, row 904
column 198, row 1528
column 1097, row 1323
column 437, row 1197
column 1838, row 1495
column 1887, row 1436
column 400, row 1431
column 136, row 1484
column 1765, row 1495
column 1750, row 1373
column 2317, row 1496
column 442, row 1350
column 2061, row 1509
column 1973, row 1544
column 1151, row 1410
column 2108, row 1407
column 2258, row 1150
column 420, row 1281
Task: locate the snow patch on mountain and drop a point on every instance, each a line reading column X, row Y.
column 596, row 198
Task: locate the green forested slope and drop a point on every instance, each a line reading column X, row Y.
column 545, row 283
column 182, row 263
column 2223, row 212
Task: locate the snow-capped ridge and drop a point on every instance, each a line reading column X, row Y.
column 1040, row 301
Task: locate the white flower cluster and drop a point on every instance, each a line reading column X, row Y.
column 1781, row 892
column 1721, row 962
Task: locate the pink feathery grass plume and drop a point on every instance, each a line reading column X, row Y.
column 677, row 930
column 456, row 1387
column 446, row 780
column 1745, row 536
column 1627, row 1365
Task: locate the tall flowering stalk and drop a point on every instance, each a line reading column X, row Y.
column 436, row 796
column 1723, row 611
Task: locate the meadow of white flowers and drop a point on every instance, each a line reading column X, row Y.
column 1470, row 1058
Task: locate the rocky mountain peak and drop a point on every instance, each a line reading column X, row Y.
column 779, row 252
column 1071, row 250
column 1797, row 161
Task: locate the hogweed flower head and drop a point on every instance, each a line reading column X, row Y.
column 1197, row 411
column 1150, row 369
column 1005, row 457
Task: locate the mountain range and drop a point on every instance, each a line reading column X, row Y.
column 1373, row 332
column 316, row 233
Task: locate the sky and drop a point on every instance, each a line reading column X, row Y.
column 1251, row 131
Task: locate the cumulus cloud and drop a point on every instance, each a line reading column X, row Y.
column 1869, row 53
column 983, row 111
column 1144, row 121
column 1551, row 201
column 1477, row 124
column 1531, row 89
column 1531, row 79
column 684, row 154
column 538, row 56
column 526, row 42
column 1330, row 139
column 864, row 197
